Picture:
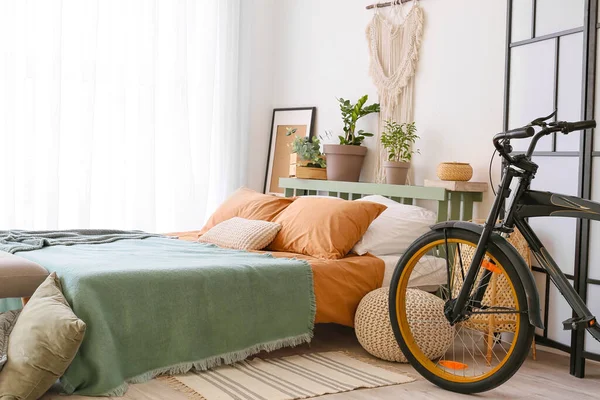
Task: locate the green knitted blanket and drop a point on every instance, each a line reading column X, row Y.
column 158, row 305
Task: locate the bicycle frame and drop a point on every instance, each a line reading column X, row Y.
column 526, row 204
column 538, row 204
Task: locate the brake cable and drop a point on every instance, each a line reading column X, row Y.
column 490, row 171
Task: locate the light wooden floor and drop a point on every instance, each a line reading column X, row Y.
column 546, row 378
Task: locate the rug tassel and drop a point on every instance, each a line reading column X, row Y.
column 181, row 387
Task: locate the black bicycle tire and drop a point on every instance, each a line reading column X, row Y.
column 526, row 330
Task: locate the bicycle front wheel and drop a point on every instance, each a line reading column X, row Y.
column 487, row 347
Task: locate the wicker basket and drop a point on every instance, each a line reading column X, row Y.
column 498, row 294
column 454, row 171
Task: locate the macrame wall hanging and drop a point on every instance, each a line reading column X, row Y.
column 394, row 39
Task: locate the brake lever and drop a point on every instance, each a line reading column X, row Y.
column 562, row 125
column 507, row 146
column 541, row 121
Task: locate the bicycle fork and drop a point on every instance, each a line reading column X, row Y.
column 456, row 310
column 459, row 308
column 584, row 316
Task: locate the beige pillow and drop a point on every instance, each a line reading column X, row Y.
column 243, row 234
column 42, row 344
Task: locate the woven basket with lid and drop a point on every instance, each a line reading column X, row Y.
column 454, row 171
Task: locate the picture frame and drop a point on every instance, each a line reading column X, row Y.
column 278, row 159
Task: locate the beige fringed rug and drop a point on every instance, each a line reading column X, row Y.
column 287, row 378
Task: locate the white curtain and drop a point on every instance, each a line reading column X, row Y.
column 120, row 114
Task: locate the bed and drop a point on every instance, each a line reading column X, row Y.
column 340, row 284
column 337, row 286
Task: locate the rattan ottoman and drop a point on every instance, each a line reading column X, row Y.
column 374, row 329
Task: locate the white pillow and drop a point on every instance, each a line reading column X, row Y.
column 429, row 273
column 395, row 229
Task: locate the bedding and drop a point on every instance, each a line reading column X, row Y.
column 395, row 229
column 249, row 204
column 323, row 228
column 429, row 273
column 160, row 305
column 17, row 240
column 339, row 284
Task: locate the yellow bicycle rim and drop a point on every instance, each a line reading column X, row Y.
column 409, row 340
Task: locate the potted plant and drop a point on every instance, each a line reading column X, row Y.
column 306, row 159
column 345, row 160
column 398, row 139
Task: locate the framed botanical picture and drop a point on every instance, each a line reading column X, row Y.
column 278, row 162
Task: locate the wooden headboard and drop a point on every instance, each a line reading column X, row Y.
column 450, row 205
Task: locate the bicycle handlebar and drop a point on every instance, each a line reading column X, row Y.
column 528, row 131
column 577, row 126
column 520, row 133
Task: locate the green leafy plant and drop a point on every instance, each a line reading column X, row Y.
column 398, row 139
column 308, row 149
column 351, row 113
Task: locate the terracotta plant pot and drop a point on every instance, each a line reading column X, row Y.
column 396, row 172
column 344, row 162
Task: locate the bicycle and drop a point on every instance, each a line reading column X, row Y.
column 478, row 260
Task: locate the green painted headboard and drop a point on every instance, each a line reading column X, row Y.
column 451, row 205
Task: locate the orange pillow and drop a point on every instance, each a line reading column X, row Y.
column 324, row 228
column 246, row 203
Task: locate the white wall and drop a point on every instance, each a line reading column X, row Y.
column 312, row 51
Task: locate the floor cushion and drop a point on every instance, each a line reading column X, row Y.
column 42, row 344
column 429, row 326
column 19, row 277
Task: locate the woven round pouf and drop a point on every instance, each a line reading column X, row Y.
column 426, row 319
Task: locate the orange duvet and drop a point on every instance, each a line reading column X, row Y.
column 339, row 284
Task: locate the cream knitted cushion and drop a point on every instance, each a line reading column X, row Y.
column 243, row 234
column 7, row 322
column 426, row 319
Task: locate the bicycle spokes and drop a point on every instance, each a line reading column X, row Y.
column 481, row 342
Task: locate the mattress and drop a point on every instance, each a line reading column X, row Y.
column 428, row 275
column 339, row 284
